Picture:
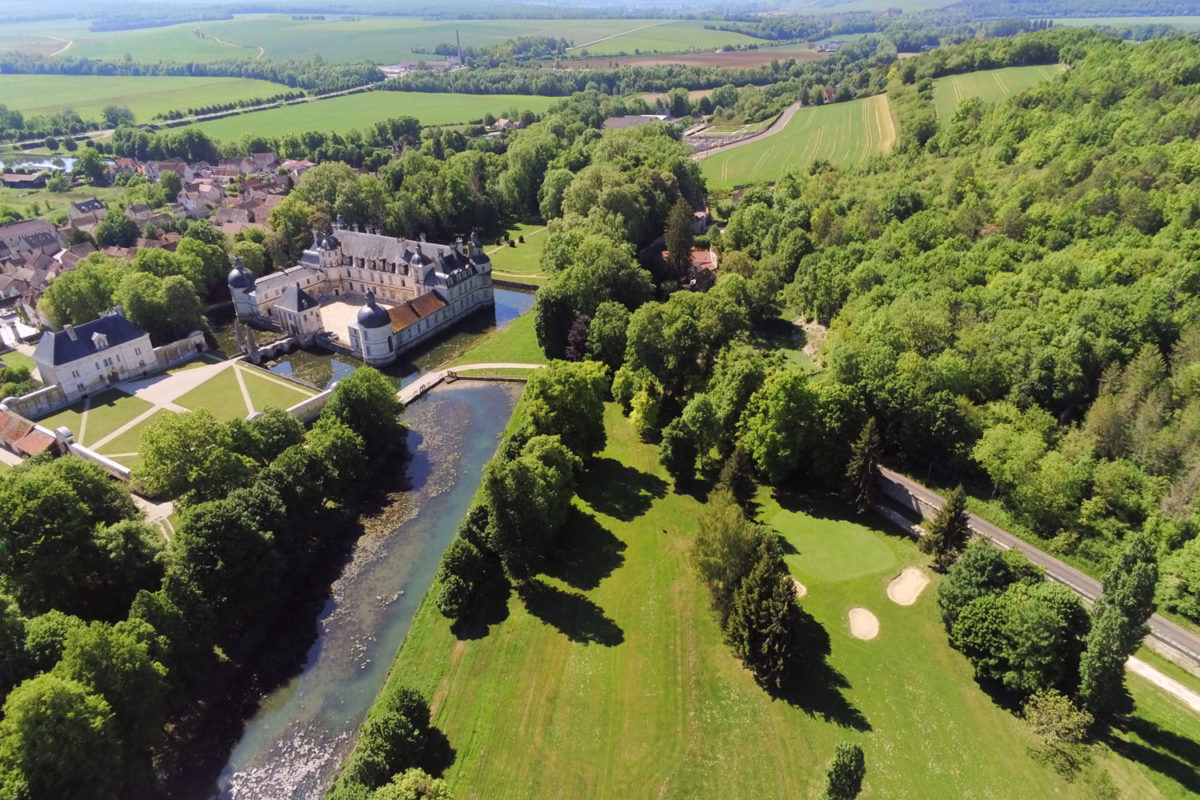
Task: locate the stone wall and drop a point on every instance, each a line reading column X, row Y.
column 40, row 403
column 118, row 471
column 308, row 410
column 178, row 351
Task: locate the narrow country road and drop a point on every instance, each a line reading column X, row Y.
column 1168, row 633
column 779, row 124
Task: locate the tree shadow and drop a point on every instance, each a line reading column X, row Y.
column 816, row 686
column 616, row 490
column 585, row 552
column 439, row 754
column 489, row 607
column 573, row 614
column 1170, row 765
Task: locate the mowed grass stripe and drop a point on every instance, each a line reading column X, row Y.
column 846, row 134
column 340, row 114
column 990, row 85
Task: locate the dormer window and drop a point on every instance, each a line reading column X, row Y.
column 99, row 340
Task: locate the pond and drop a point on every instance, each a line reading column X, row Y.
column 293, row 746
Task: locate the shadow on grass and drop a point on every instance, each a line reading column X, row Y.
column 1167, row 753
column 489, row 607
column 439, row 755
column 574, row 615
column 816, row 687
column 585, row 552
column 619, row 491
column 828, row 506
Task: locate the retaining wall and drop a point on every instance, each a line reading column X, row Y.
column 308, row 410
column 40, row 403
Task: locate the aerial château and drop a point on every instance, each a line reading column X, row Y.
column 401, row 292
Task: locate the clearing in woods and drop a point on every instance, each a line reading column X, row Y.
column 990, row 85
column 845, row 134
column 614, row 680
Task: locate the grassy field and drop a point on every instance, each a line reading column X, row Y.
column 614, row 681
column 340, row 114
column 145, row 97
column 523, row 262
column 516, row 344
column 989, row 84
column 48, row 202
column 1183, row 23
column 846, row 134
column 381, row 39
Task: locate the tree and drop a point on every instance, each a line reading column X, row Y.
column 13, row 633
column 392, row 740
column 606, row 334
column 253, row 256
column 462, row 569
column 777, row 422
column 846, row 772
column 90, row 165
column 182, row 307
column 677, row 451
column 58, row 740
column 291, row 230
column 982, row 570
column 414, row 784
column 46, row 638
column 679, row 239
column 863, row 469
column 341, row 450
column 948, row 532
column 366, row 403
column 190, row 456
column 764, row 624
column 724, row 551
column 737, row 477
column 1118, row 622
column 116, row 230
column 1055, row 719
column 171, row 184
column 115, row 115
column 566, row 399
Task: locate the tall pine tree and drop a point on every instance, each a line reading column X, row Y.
column 763, row 625
column 947, row 534
column 1118, row 622
column 863, row 467
column 679, row 238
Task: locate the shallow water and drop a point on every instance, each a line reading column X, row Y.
column 292, row 747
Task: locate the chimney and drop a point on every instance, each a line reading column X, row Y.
column 70, row 329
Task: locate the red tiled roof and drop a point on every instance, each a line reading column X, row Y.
column 34, row 442
column 416, row 309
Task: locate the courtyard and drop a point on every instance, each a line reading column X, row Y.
column 112, row 423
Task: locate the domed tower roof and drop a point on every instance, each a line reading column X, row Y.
column 372, row 315
column 239, row 276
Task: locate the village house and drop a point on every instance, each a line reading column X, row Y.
column 139, row 213
column 296, row 167
column 85, row 216
column 30, row 236
column 155, row 169
column 127, row 166
column 88, row 358
column 21, row 180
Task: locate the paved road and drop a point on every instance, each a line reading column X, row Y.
column 779, row 124
column 1176, row 637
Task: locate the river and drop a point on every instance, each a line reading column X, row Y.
column 292, row 747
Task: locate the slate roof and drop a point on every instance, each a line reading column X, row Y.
column 88, row 206
column 58, row 348
column 416, row 309
column 34, row 231
column 295, row 299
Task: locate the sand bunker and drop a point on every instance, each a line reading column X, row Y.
column 907, row 586
column 863, row 624
column 801, row 589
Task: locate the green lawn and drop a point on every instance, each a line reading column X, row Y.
column 108, row 411
column 220, row 394
column 990, row 84
column 523, row 262
column 846, row 134
column 15, row 358
column 49, row 202
column 144, row 96
column 124, row 448
column 271, row 392
column 617, row 683
column 361, row 110
column 516, row 344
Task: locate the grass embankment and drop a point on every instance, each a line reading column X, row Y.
column 991, row 85
column 359, row 111
column 845, row 134
column 617, row 684
column 515, row 344
column 144, row 96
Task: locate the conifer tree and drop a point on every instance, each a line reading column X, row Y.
column 764, row 623
column 845, row 776
column 679, row 238
column 1118, row 622
column 949, row 531
column 863, row 467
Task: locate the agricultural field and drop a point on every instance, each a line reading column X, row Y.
column 1183, row 23
column 990, row 85
column 384, row 40
column 340, row 114
column 846, row 134
column 732, row 58
column 613, row 680
column 144, row 96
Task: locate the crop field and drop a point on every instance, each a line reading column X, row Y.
column 613, row 680
column 360, row 110
column 144, row 96
column 384, row 40
column 846, row 134
column 1184, row 23
column 733, row 58
column 990, row 85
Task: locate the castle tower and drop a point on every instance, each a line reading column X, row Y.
column 374, row 333
column 241, row 289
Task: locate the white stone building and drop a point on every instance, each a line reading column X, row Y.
column 414, row 290
column 88, row 358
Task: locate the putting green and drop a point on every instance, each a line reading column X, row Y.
column 832, row 551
